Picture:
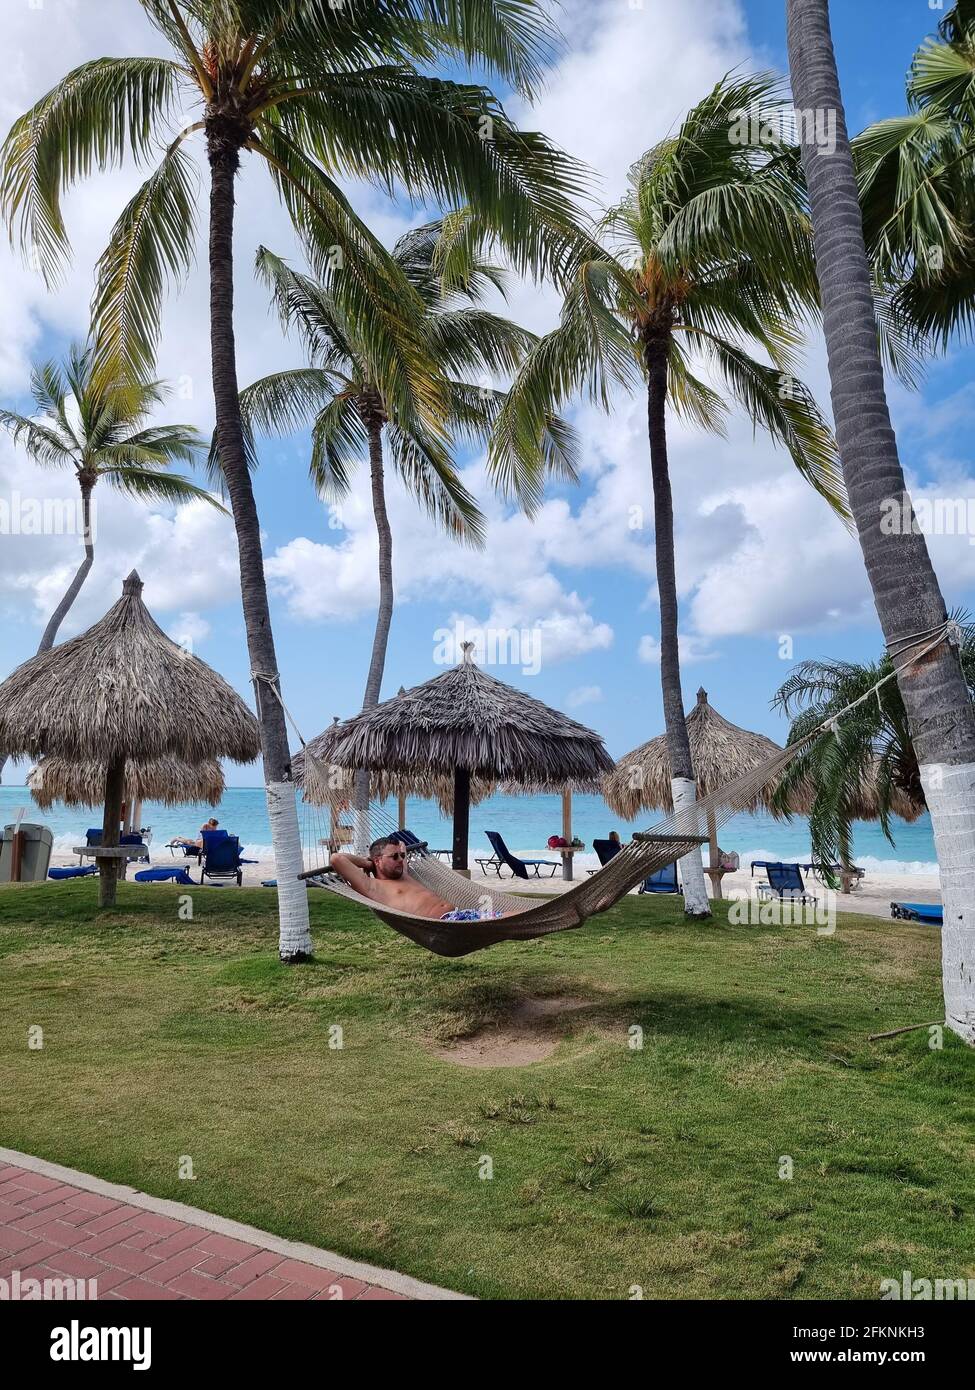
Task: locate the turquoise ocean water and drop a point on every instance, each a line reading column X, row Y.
column 526, row 822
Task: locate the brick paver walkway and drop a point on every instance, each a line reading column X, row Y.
column 87, row 1229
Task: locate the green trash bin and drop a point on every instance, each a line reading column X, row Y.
column 36, row 858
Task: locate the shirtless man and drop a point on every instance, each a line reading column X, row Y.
column 385, row 878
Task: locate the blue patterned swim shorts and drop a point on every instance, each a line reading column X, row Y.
column 469, row 914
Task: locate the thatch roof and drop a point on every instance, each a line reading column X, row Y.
column 123, row 689
column 328, row 783
column 164, row 779
column 465, row 719
column 865, row 805
column 721, row 752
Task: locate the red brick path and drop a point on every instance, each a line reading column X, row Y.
column 50, row 1229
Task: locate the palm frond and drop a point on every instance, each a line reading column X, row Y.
column 151, row 243
column 149, row 484
column 785, row 407
column 97, row 114
column 339, row 444
column 431, row 478
column 43, row 445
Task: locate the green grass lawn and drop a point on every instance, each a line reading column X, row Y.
column 612, row 1167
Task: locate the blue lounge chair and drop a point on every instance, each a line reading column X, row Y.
column 220, row 859
column 161, row 876
column 93, row 838
column 411, row 841
column 930, row 913
column 77, row 871
column 663, row 881
column 185, row 849
column 605, row 850
column 784, row 882
column 135, row 839
column 519, row 867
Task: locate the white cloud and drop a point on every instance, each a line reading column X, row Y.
column 187, row 556
column 691, row 649
column 584, row 695
column 189, row 630
column 629, row 74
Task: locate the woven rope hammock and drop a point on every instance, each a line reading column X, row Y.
column 668, row 841
column 647, row 852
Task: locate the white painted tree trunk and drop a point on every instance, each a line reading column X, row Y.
column 361, row 824
column 949, row 789
column 691, row 866
column 282, row 811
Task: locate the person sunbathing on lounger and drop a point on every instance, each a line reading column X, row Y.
column 385, row 878
column 191, row 846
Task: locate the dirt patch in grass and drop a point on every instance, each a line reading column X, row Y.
column 529, row 1031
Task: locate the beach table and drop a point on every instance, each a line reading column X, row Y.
column 123, row 852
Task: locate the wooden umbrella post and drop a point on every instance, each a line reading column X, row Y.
column 108, row 866
column 401, row 810
column 462, row 819
column 715, row 871
column 567, row 855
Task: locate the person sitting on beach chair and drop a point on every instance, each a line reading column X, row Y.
column 193, row 846
column 385, row 878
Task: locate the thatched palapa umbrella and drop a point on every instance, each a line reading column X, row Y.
column 465, row 725
column 862, row 804
column 123, row 692
column 168, row 780
column 324, row 782
column 720, row 751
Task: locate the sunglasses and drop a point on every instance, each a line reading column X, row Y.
column 398, row 855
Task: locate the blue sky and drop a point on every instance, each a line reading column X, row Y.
column 759, row 558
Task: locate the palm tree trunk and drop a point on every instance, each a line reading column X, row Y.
column 71, row 593
column 377, row 664
column 294, row 937
column 678, row 745
column 74, row 588
column 905, row 587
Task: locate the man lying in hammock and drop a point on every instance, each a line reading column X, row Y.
column 385, row 878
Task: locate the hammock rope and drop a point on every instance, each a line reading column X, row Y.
column 664, row 844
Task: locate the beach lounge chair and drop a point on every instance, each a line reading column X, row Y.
column 930, row 913
column 784, row 882
column 135, row 839
column 411, row 841
column 519, row 867
column 76, row 871
column 663, row 881
column 185, row 849
column 605, row 850
column 161, row 876
column 220, row 859
column 93, row 838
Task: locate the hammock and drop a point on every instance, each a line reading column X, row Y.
column 668, row 841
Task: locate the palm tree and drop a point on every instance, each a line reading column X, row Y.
column 343, row 396
column 917, row 189
column 99, row 429
column 905, row 588
column 711, row 252
column 315, row 91
column 868, row 761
